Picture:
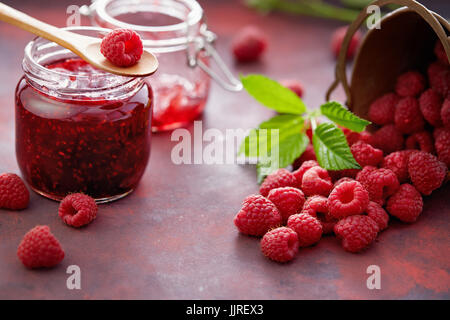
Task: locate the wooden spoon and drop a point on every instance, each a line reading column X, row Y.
column 87, row 48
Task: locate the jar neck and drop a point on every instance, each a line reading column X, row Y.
column 65, row 84
column 164, row 25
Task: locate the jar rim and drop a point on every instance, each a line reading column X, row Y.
column 195, row 15
column 41, row 76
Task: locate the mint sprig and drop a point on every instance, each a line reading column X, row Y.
column 277, row 142
column 273, row 95
column 331, row 148
column 338, row 114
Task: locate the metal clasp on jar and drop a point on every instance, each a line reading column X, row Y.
column 205, row 43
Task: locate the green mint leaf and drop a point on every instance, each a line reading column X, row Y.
column 260, row 139
column 290, row 148
column 338, row 114
column 331, row 148
column 273, row 95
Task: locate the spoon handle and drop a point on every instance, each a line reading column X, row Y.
column 39, row 28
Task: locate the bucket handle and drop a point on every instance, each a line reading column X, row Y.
column 434, row 20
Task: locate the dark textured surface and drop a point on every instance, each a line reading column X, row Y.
column 173, row 238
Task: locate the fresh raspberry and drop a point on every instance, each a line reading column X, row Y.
column 294, row 85
column 422, row 141
column 445, row 112
column 406, row 204
column 442, row 144
column 437, row 132
column 410, row 84
column 440, row 52
column 317, row 206
column 388, row 139
column 280, row 244
column 14, row 194
column 343, row 179
column 308, row 154
column 288, row 201
column 278, row 179
column 39, row 248
column 77, row 210
column 257, row 216
column 439, row 78
column 426, row 171
column 298, row 174
column 356, row 232
column 316, row 181
column 249, row 44
column 366, row 155
column 346, row 173
column 430, row 104
column 380, row 183
column 354, row 137
column 338, row 38
column 408, row 118
column 382, row 110
column 397, row 162
column 122, row 47
column 377, row 214
column 347, row 199
column 308, row 228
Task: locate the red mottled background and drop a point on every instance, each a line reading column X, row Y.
column 173, row 238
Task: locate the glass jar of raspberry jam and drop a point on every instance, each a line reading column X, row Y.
column 79, row 129
column 176, row 32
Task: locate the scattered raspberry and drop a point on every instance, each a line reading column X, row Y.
column 397, row 162
column 430, row 104
column 356, row 232
column 380, row 183
column 288, row 201
column 257, row 216
column 249, row 44
column 309, row 154
column 122, row 47
column 280, row 244
column 426, row 171
column 316, row 181
column 422, row 141
column 347, row 199
column 39, row 248
column 439, row 78
column 408, row 118
column 445, row 112
column 406, row 204
column 440, row 52
column 338, row 38
column 410, row 84
column 388, row 139
column 294, row 85
column 382, row 110
column 298, row 174
column 442, row 144
column 377, row 214
column 308, row 228
column 14, row 194
column 317, row 206
column 278, row 179
column 77, row 210
column 366, row 155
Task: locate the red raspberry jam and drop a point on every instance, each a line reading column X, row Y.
column 178, row 102
column 79, row 142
